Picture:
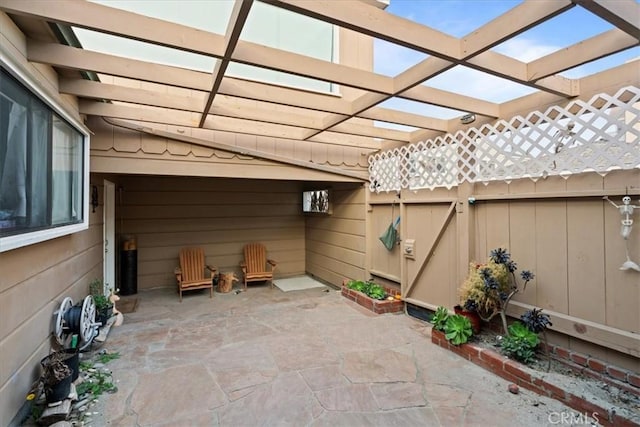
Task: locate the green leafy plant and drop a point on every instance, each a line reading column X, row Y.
column 376, row 292
column 521, row 343
column 538, row 322
column 357, row 285
column 99, row 383
column 96, row 291
column 439, row 318
column 457, row 329
column 370, row 289
column 108, row 357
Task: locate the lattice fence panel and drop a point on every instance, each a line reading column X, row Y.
column 600, row 135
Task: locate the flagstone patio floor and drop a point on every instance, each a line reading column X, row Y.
column 305, row 358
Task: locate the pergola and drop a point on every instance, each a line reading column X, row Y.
column 215, row 100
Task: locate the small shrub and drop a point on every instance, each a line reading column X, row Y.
column 357, row 285
column 457, row 329
column 376, row 292
column 439, row 318
column 489, row 287
column 370, row 289
column 535, row 320
column 521, row 343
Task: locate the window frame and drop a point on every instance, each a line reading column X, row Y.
column 37, row 89
column 328, row 211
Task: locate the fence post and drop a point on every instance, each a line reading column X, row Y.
column 465, row 230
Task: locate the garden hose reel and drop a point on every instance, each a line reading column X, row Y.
column 76, row 320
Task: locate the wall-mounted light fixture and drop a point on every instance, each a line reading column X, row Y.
column 94, row 197
column 468, row 118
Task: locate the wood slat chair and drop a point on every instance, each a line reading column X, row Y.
column 191, row 273
column 256, row 267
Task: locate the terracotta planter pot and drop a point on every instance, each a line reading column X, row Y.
column 476, row 322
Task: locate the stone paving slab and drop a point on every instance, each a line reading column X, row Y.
column 307, row 358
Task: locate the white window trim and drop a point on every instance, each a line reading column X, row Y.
column 30, row 238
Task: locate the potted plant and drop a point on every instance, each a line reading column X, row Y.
column 104, row 306
column 489, row 287
column 56, row 377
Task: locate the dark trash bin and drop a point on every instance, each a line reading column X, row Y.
column 129, row 268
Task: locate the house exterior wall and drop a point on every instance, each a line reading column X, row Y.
column 34, row 279
column 165, row 214
column 118, row 150
column 335, row 244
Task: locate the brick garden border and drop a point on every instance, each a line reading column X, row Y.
column 377, row 306
column 585, row 364
column 596, row 368
column 513, row 371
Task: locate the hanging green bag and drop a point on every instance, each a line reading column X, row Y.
column 390, row 237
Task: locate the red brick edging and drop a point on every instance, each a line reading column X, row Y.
column 377, row 306
column 513, row 371
column 596, row 368
column 588, row 365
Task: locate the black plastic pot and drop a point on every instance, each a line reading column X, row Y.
column 73, row 362
column 104, row 314
column 58, row 391
column 70, row 357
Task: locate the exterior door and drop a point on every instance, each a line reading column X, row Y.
column 109, row 221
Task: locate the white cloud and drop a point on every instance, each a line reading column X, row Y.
column 524, row 49
column 470, row 82
column 390, row 59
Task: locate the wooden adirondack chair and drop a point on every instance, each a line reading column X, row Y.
column 256, row 267
column 191, row 273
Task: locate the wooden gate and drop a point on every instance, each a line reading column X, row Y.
column 562, row 230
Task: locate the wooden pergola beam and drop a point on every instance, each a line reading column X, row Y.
column 84, row 14
column 400, row 117
column 238, row 18
column 385, row 26
column 86, row 60
column 225, row 108
column 187, row 119
column 117, row 22
column 511, row 23
column 623, row 14
column 374, row 22
column 456, row 101
column 446, row 52
column 80, row 59
column 588, row 50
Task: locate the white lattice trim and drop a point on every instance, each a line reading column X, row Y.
column 600, row 135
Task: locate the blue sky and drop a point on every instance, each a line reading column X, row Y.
column 460, row 17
